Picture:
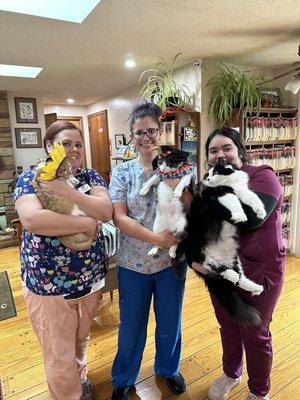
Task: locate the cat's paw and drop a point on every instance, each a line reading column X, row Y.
column 144, row 191
column 177, row 192
column 172, row 253
column 260, row 212
column 153, row 251
column 238, row 217
column 257, row 291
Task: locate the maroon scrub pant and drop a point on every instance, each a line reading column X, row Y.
column 257, row 341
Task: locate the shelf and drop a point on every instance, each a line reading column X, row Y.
column 274, row 110
column 259, row 143
column 278, row 171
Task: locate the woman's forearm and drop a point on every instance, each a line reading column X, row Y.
column 94, row 206
column 49, row 223
column 135, row 230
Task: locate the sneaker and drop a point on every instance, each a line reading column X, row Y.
column 252, row 396
column 120, row 394
column 221, row 387
column 87, row 390
column 176, row 384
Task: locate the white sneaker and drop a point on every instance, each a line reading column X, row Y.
column 252, row 396
column 221, row 387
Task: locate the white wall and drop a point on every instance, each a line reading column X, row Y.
column 73, row 111
column 26, row 157
column 118, row 110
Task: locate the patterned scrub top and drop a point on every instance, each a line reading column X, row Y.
column 125, row 185
column 48, row 266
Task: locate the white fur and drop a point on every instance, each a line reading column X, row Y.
column 238, row 181
column 169, row 210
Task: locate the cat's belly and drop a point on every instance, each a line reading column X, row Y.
column 224, row 251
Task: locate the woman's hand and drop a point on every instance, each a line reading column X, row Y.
column 91, row 227
column 166, row 239
column 56, row 187
column 199, row 268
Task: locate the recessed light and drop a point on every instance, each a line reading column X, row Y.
column 70, row 101
column 67, row 10
column 19, row 71
column 130, row 63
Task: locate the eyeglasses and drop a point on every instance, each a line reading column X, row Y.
column 150, row 133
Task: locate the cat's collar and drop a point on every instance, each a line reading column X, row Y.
column 185, row 169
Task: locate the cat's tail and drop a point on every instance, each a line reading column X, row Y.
column 237, row 309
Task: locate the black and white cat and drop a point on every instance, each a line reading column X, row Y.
column 213, row 242
column 170, row 213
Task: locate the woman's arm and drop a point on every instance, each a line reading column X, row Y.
column 97, row 204
column 134, row 229
column 48, row 223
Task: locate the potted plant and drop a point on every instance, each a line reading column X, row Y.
column 232, row 89
column 161, row 88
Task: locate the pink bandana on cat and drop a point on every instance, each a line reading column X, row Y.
column 185, row 169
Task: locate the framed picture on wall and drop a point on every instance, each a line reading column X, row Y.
column 271, row 97
column 26, row 111
column 119, row 140
column 28, row 137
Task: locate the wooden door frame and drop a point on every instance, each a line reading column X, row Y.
column 80, row 120
column 103, row 112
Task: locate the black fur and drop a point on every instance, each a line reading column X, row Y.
column 204, row 227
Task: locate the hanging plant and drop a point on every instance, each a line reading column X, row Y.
column 232, row 89
column 161, row 88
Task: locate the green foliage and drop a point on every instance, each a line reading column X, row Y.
column 232, row 89
column 161, row 86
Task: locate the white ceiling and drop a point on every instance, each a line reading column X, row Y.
column 85, row 61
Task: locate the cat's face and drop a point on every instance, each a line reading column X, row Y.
column 218, row 175
column 64, row 170
column 171, row 158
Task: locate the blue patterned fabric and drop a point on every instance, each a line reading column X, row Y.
column 125, row 185
column 49, row 267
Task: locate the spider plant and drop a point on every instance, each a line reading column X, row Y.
column 232, row 89
column 161, row 87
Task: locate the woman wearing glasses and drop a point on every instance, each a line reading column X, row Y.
column 142, row 277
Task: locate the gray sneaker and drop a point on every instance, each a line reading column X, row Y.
column 87, row 390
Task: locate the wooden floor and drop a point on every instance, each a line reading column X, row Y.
column 21, row 365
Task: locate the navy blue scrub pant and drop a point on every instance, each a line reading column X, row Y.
column 135, row 294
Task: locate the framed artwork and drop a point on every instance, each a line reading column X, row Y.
column 190, row 134
column 271, row 97
column 28, row 137
column 119, row 140
column 26, row 111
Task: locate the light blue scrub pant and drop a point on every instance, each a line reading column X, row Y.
column 135, row 294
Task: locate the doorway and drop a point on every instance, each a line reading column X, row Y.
column 99, row 142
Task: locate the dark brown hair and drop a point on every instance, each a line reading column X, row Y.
column 234, row 136
column 54, row 129
column 145, row 109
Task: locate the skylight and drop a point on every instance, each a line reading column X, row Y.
column 66, row 10
column 19, row 71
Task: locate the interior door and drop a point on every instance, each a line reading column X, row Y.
column 49, row 119
column 99, row 141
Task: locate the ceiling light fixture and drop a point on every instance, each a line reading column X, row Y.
column 19, row 71
column 70, row 101
column 129, row 60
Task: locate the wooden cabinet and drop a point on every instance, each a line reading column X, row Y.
column 181, row 128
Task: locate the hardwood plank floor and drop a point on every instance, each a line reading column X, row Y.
column 21, row 365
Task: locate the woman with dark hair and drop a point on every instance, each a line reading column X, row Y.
column 141, row 276
column 62, row 285
column 262, row 256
